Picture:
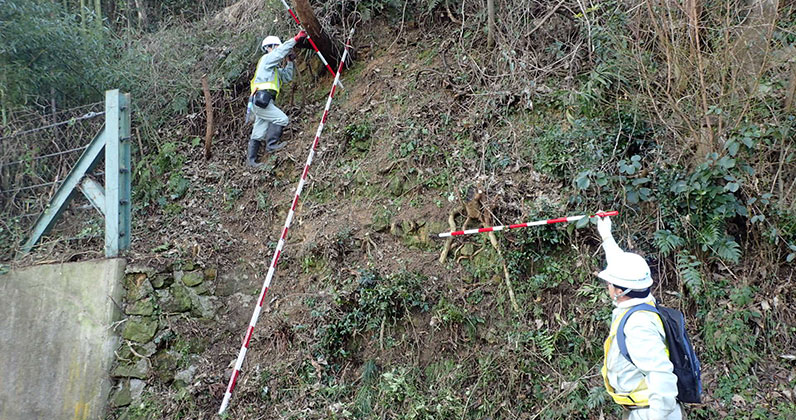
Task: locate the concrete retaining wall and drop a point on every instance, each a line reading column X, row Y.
column 56, row 339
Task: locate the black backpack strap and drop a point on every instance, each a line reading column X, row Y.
column 620, row 330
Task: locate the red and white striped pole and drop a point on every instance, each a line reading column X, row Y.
column 522, row 225
column 315, row 47
column 278, row 251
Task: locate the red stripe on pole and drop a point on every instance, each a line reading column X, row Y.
column 333, row 89
column 309, row 38
column 315, row 143
column 262, row 298
column 558, row 220
column 276, row 260
column 325, row 114
column 527, row 224
column 306, row 169
column 284, row 233
column 234, row 380
column 328, row 67
column 248, row 337
column 295, row 201
column 294, row 16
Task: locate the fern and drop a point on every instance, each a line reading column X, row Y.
column 594, row 292
column 596, row 397
column 688, row 267
column 432, row 4
column 666, row 241
column 545, row 341
column 708, row 235
column 369, row 372
column 727, row 249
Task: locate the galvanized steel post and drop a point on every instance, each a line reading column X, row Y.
column 117, row 172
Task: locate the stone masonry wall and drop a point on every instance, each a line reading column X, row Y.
column 150, row 350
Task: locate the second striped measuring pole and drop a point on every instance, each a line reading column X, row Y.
column 278, row 251
column 528, row 224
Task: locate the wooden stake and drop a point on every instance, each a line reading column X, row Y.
column 209, row 114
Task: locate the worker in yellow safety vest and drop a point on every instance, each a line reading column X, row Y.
column 646, row 386
column 269, row 121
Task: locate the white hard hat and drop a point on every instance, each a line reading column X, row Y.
column 627, row 270
column 268, row 41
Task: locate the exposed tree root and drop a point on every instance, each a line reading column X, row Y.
column 446, row 249
column 487, row 221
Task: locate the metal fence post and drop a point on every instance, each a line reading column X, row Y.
column 117, row 172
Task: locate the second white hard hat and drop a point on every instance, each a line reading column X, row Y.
column 629, row 271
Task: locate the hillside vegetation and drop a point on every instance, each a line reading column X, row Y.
column 680, row 115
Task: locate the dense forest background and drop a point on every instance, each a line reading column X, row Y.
column 678, row 114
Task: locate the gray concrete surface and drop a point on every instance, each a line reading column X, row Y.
column 56, row 341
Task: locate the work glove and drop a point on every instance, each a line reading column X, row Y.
column 604, row 227
column 291, row 56
column 299, row 36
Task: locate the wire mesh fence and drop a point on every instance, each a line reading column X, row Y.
column 37, row 151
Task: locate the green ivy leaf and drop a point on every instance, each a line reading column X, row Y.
column 679, row 187
column 632, row 197
column 726, row 162
column 732, row 147
column 582, row 180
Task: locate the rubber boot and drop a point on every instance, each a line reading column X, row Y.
column 251, row 158
column 272, row 136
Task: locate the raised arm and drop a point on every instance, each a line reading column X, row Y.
column 610, row 246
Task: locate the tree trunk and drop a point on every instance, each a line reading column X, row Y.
column 754, row 35
column 53, row 113
column 314, row 29
column 140, row 8
column 791, row 89
column 98, row 13
column 83, row 14
column 490, row 12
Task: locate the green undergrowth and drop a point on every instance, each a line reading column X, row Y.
column 481, row 363
column 486, row 360
column 713, row 219
column 377, row 303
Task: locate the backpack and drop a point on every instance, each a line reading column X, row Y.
column 681, row 353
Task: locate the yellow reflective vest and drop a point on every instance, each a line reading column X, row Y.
column 272, row 84
column 638, row 397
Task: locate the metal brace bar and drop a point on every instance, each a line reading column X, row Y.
column 88, row 160
column 94, row 192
